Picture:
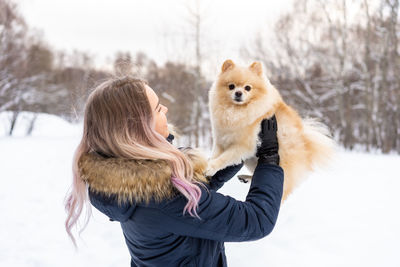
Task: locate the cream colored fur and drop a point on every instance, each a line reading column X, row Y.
column 303, row 143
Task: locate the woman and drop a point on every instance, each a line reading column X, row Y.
column 128, row 168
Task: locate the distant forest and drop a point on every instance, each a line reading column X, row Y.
column 336, row 60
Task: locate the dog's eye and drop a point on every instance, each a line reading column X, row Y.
column 231, row 86
column 247, row 88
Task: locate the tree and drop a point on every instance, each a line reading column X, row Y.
column 341, row 67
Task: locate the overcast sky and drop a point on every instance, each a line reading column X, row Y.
column 158, row 28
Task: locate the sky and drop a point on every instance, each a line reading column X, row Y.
column 160, row 28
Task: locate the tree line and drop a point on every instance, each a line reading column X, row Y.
column 337, row 60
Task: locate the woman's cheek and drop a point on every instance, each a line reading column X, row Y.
column 166, row 127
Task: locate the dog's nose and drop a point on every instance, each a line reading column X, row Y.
column 238, row 94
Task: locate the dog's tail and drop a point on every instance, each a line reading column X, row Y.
column 319, row 141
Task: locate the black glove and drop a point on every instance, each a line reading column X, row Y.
column 170, row 138
column 267, row 152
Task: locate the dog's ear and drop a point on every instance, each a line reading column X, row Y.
column 227, row 65
column 256, row 67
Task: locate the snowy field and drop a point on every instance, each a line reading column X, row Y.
column 347, row 215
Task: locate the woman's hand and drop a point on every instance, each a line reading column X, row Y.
column 267, row 152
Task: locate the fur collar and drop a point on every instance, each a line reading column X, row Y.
column 136, row 180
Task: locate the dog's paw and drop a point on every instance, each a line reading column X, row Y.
column 212, row 168
column 210, row 171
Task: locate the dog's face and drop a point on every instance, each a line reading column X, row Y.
column 237, row 85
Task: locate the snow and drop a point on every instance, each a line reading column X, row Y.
column 46, row 125
column 346, row 215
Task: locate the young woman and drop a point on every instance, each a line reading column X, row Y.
column 170, row 213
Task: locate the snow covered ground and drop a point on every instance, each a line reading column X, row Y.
column 347, row 215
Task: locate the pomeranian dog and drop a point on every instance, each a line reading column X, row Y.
column 239, row 100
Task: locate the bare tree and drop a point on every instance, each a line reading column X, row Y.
column 342, row 69
column 123, row 64
column 196, row 18
column 12, row 38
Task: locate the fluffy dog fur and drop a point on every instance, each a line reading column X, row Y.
column 303, row 143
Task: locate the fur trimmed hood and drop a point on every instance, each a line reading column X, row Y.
column 136, row 180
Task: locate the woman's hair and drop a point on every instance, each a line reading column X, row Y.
column 118, row 122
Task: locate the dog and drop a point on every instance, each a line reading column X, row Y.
column 239, row 99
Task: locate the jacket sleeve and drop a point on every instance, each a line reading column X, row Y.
column 224, row 218
column 222, row 176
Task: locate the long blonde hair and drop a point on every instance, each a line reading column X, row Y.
column 118, row 122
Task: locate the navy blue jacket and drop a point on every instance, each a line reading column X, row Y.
column 158, row 234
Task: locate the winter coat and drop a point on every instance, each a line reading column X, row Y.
column 140, row 196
